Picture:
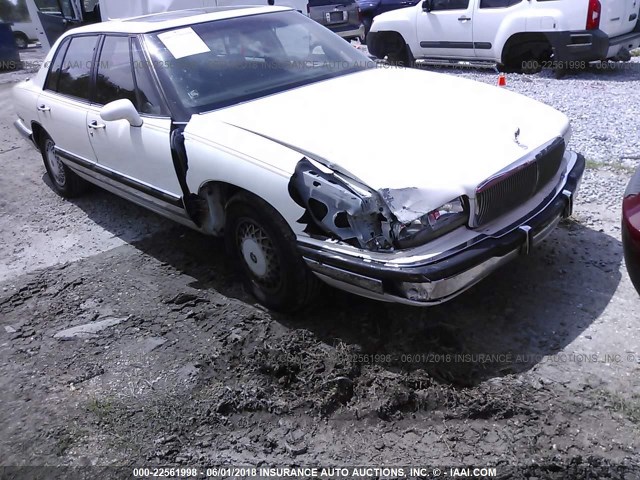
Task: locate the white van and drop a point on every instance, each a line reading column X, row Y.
column 24, row 33
column 79, row 12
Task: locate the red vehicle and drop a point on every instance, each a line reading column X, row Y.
column 631, row 229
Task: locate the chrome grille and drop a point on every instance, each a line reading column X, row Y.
column 502, row 193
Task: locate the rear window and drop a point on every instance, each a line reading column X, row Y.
column 75, row 75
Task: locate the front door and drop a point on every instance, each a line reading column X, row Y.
column 446, row 30
column 137, row 157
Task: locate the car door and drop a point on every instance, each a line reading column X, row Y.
column 64, row 102
column 137, row 157
column 444, row 29
column 486, row 23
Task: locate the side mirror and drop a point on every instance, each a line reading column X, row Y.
column 121, row 110
column 427, row 6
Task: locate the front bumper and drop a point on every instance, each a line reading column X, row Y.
column 347, row 32
column 437, row 281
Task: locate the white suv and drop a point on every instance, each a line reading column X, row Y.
column 511, row 33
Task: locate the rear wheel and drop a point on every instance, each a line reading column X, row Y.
column 526, row 54
column 21, row 40
column 65, row 182
column 264, row 247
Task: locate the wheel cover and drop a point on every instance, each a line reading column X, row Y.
column 55, row 165
column 258, row 254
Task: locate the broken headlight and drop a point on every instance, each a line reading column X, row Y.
column 434, row 224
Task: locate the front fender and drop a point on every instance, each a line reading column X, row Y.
column 401, row 21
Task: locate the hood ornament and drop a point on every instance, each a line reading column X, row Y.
column 516, row 138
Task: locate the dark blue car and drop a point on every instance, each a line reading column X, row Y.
column 371, row 8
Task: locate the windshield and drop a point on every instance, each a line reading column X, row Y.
column 215, row 64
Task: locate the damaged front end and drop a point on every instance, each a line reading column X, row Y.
column 343, row 208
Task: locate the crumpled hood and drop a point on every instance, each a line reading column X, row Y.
column 403, row 128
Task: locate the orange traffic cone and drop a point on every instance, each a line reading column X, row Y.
column 502, row 80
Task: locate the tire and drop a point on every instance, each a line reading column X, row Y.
column 64, row 181
column 263, row 246
column 21, row 39
column 526, row 57
column 631, row 257
column 395, row 49
column 560, row 72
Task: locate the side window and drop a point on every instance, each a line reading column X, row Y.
column 449, row 5
column 75, row 75
column 55, row 68
column 148, row 98
column 115, row 75
column 498, row 3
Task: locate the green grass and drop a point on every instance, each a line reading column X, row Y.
column 591, row 164
column 103, row 409
column 628, row 407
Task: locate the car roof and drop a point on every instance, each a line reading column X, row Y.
column 177, row 18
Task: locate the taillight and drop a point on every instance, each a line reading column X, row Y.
column 593, row 15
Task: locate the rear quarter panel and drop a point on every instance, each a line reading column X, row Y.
column 558, row 15
column 25, row 97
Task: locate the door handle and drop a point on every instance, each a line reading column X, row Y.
column 43, row 108
column 464, row 19
column 95, row 125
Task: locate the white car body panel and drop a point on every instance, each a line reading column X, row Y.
column 220, row 152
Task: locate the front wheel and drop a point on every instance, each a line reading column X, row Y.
column 264, row 247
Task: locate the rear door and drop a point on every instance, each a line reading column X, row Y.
column 64, row 102
column 486, row 23
column 138, row 158
column 618, row 16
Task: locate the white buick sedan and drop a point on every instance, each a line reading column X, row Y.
column 239, row 122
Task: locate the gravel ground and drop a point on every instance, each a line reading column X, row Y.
column 127, row 340
column 600, row 101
